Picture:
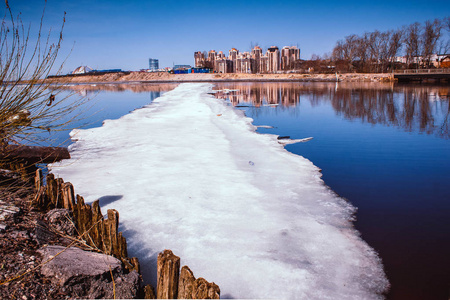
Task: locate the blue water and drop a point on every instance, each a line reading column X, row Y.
column 385, row 148
column 95, row 103
column 391, row 161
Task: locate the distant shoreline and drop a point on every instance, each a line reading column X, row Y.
column 141, row 77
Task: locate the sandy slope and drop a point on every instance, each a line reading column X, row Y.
column 164, row 77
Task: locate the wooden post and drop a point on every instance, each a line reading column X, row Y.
column 191, row 288
column 52, row 189
column 38, row 180
column 205, row 290
column 86, row 221
column 77, row 213
column 113, row 222
column 168, row 272
column 122, row 246
column 59, row 193
column 97, row 219
column 68, row 196
column 136, row 266
column 149, row 292
column 186, row 283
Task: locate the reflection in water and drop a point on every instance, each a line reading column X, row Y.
column 85, row 89
column 107, row 101
column 414, row 108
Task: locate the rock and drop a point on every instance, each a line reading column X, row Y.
column 74, row 264
column 8, row 211
column 87, row 274
column 62, row 220
column 124, row 287
column 3, row 228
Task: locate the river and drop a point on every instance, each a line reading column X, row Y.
column 383, row 147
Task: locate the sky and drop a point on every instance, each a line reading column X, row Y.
column 124, row 34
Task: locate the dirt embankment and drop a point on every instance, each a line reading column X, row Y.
column 166, row 77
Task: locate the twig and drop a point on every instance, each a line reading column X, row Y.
column 114, row 284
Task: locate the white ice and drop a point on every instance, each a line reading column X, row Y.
column 189, row 173
column 294, row 141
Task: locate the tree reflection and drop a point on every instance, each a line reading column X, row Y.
column 419, row 108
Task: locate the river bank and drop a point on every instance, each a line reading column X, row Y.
column 162, row 77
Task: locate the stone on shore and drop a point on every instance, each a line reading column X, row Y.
column 88, row 274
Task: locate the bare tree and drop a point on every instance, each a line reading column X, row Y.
column 29, row 105
column 362, row 45
column 430, row 36
column 375, row 43
column 412, row 43
column 395, row 44
column 26, row 103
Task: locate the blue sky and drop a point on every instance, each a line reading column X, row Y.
column 123, row 34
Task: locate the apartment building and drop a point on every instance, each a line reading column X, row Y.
column 255, row 61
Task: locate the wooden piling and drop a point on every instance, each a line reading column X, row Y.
column 52, row 190
column 136, row 265
column 168, row 272
column 68, row 196
column 191, row 288
column 149, row 292
column 186, row 283
column 38, row 182
column 98, row 223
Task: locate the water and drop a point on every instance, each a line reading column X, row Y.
column 95, row 103
column 383, row 147
column 386, row 149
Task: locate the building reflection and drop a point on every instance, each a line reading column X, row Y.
column 414, row 108
column 86, row 89
column 421, row 108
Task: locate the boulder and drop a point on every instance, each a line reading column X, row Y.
column 87, row 274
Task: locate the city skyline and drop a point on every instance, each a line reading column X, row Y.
column 125, row 34
column 256, row 61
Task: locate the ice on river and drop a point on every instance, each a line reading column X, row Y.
column 189, row 173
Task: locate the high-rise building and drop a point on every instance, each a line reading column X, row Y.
column 233, row 54
column 264, row 64
column 288, row 56
column 223, row 65
column 274, row 59
column 211, row 59
column 199, row 59
column 256, row 56
column 153, row 64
